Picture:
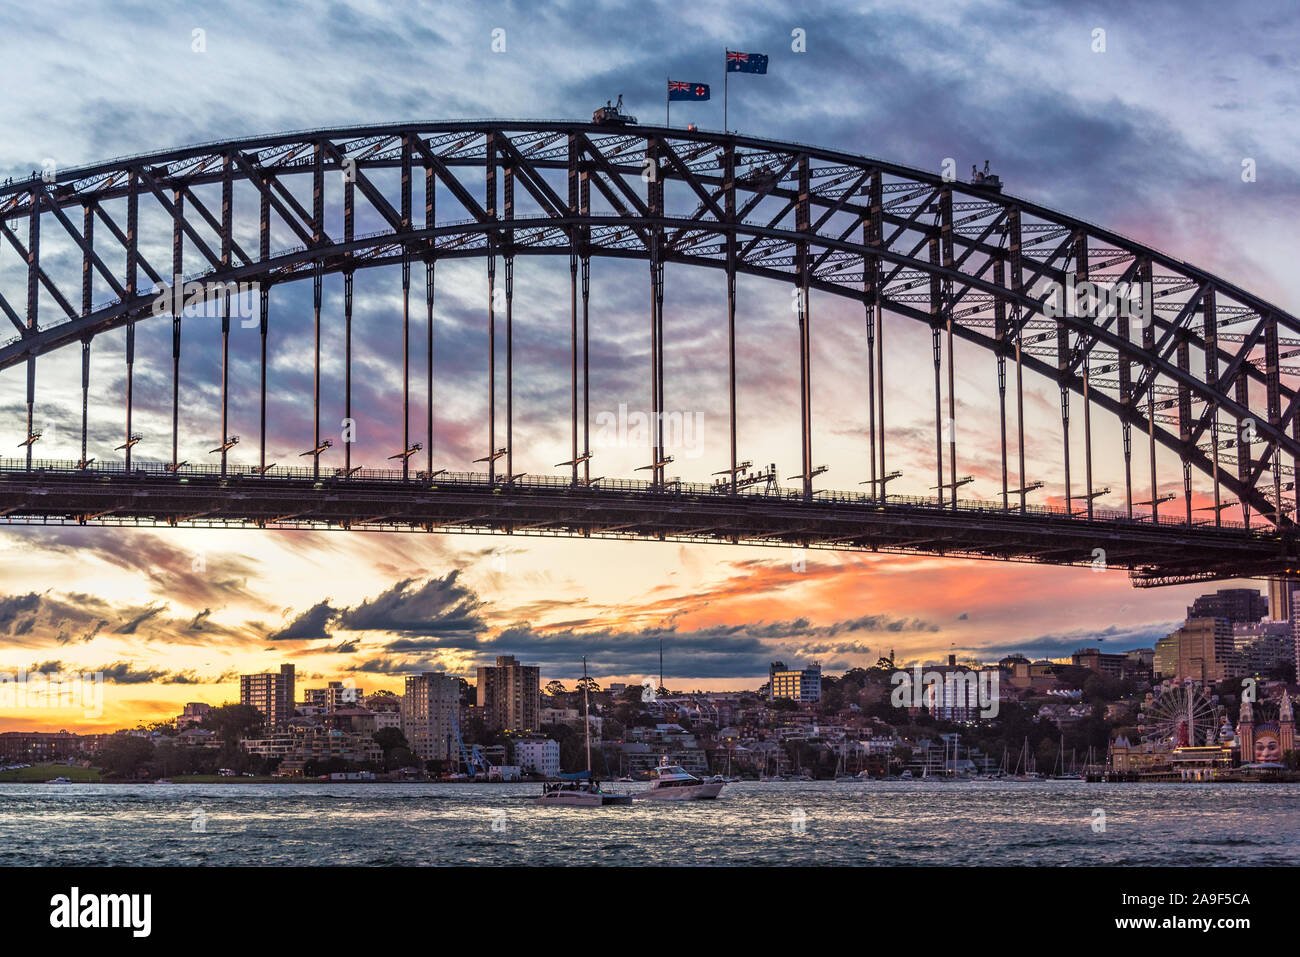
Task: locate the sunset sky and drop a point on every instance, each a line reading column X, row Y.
column 1147, row 137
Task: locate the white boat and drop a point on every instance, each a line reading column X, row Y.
column 672, row 782
column 585, row 792
column 579, row 794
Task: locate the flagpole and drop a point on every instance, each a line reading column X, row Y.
column 668, row 107
column 724, row 89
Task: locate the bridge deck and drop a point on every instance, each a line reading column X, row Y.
column 1162, row 552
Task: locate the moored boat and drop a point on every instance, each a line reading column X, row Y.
column 579, row 794
column 672, row 782
column 581, row 790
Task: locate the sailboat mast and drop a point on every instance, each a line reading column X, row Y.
column 586, row 712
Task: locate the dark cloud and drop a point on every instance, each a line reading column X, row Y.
column 35, row 620
column 129, row 627
column 440, row 606
column 58, row 618
column 124, row 673
column 723, row 651
column 312, row 623
column 15, row 608
column 1115, row 638
column 342, row 648
column 194, row 578
column 733, row 651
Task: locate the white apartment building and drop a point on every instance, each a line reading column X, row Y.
column 538, row 756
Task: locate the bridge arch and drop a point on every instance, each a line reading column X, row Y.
column 963, row 258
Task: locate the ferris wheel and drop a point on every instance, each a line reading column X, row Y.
column 1180, row 715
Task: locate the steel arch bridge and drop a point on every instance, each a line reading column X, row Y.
column 1191, row 362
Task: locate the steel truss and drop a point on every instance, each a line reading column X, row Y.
column 1181, row 355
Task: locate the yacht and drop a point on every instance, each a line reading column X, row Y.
column 671, row 782
column 579, row 794
column 582, row 792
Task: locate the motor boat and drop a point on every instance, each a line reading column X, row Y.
column 671, row 782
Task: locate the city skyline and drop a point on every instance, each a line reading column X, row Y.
column 1238, row 617
column 179, row 612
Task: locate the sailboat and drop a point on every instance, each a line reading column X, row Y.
column 581, row 791
column 1062, row 774
column 842, row 772
column 773, row 767
column 1029, row 773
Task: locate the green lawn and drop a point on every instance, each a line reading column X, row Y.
column 220, row 779
column 47, row 772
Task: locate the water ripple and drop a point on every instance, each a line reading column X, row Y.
column 1043, row 823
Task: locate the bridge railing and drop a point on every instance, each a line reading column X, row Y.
column 13, row 468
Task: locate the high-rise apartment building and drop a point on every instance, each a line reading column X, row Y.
column 333, row 697
column 1201, row 649
column 510, row 695
column 1265, row 646
column 1281, row 603
column 803, row 685
column 1234, row 604
column 429, row 706
column 271, row 693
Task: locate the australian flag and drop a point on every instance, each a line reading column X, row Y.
column 681, row 90
column 746, row 62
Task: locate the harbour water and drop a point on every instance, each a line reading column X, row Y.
column 1062, row 823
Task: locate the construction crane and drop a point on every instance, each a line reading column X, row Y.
column 472, row 757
